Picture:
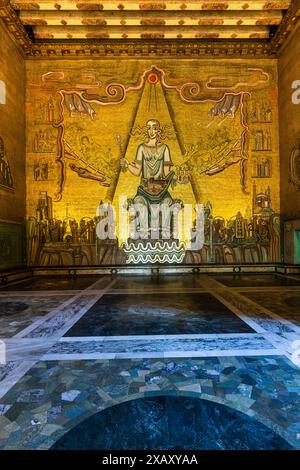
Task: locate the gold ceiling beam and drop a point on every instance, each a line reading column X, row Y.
column 162, row 32
column 146, row 5
column 175, row 48
column 289, row 24
column 250, row 18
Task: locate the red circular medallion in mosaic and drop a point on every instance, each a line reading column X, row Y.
column 152, row 78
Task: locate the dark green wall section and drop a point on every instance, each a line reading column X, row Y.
column 11, row 246
column 297, row 246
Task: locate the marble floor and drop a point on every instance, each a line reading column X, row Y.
column 146, row 362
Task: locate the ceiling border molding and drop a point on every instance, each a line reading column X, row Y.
column 15, row 28
column 152, row 49
column 288, row 24
column 137, row 48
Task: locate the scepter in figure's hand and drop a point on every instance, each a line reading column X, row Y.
column 123, row 161
column 118, row 141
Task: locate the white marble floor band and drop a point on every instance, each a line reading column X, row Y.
column 162, row 354
column 162, row 347
column 211, row 336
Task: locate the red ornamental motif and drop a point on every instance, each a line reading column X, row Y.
column 153, row 78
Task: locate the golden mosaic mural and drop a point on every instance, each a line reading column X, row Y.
column 138, row 131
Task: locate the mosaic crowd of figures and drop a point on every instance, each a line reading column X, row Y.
column 239, row 240
column 250, row 239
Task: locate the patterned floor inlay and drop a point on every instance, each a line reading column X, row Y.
column 55, row 396
column 77, row 350
column 255, row 280
column 17, row 313
column 61, row 319
column 145, row 314
column 54, row 283
column 283, row 303
column 159, row 283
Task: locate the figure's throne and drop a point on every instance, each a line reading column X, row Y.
column 154, row 251
column 156, row 242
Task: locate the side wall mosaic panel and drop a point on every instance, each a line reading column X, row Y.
column 12, row 131
column 289, row 128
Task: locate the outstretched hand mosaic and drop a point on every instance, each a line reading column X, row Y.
column 149, row 143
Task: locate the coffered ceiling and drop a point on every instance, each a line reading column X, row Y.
column 258, row 25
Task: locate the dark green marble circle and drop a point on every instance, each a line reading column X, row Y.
column 168, row 423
